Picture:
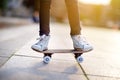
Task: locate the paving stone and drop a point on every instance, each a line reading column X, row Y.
column 28, row 68
column 96, row 65
column 41, row 75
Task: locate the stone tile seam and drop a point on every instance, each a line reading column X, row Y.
column 103, row 76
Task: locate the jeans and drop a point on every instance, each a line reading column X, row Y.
column 73, row 16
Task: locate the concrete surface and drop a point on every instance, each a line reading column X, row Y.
column 100, row 64
column 13, row 38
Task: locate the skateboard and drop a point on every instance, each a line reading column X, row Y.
column 48, row 54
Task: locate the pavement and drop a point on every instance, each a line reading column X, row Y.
column 100, row 64
column 14, row 30
column 6, row 22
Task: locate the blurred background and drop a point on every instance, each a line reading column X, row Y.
column 100, row 13
column 19, row 25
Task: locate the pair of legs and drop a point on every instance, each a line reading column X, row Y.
column 73, row 16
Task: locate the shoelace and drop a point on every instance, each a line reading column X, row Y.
column 41, row 38
column 83, row 40
column 40, row 42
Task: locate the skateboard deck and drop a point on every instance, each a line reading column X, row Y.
column 49, row 51
column 63, row 51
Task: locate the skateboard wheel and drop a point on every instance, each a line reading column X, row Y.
column 46, row 59
column 79, row 59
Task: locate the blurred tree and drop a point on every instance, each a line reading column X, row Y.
column 115, row 10
column 3, row 5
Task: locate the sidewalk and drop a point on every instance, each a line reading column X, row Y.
column 12, row 21
column 27, row 64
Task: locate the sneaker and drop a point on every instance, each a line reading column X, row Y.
column 42, row 44
column 80, row 43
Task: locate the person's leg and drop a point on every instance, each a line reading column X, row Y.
column 79, row 42
column 44, row 17
column 44, row 31
column 73, row 16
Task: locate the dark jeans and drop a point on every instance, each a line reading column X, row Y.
column 73, row 16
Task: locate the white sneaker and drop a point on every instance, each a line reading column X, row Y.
column 42, row 44
column 80, row 43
